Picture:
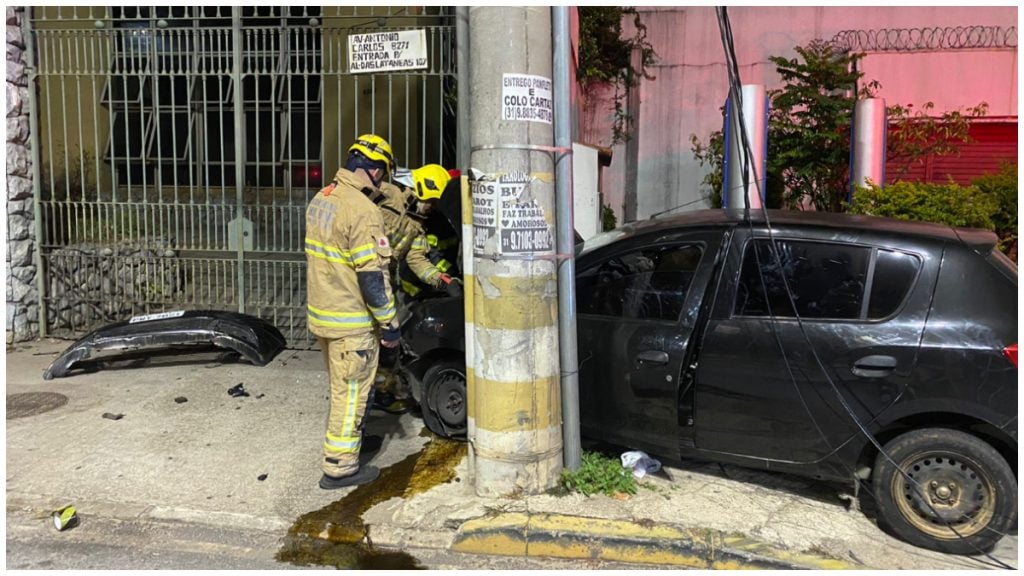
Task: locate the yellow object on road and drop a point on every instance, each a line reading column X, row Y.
column 65, row 518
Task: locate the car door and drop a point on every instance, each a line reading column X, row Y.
column 774, row 388
column 637, row 304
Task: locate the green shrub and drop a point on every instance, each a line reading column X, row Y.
column 949, row 204
column 599, row 474
column 1002, row 186
column 608, row 220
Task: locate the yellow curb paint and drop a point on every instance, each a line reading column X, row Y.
column 560, row 536
column 603, row 527
column 745, row 544
column 503, row 535
column 602, row 549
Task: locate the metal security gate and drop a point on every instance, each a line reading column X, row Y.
column 179, row 146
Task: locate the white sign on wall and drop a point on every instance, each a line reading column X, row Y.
column 387, row 51
column 526, row 97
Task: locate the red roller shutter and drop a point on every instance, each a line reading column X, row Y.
column 993, row 142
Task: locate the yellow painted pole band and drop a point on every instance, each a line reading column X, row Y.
column 518, row 303
column 519, row 406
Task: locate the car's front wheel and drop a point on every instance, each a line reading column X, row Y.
column 956, row 494
column 444, row 399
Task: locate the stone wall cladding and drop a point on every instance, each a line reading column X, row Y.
column 22, row 296
column 91, row 285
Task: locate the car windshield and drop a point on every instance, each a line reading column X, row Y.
column 602, row 239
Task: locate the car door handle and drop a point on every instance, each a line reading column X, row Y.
column 874, row 366
column 655, row 357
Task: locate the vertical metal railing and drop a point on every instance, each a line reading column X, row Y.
column 177, row 148
column 237, row 77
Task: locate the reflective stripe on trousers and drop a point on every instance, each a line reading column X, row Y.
column 351, row 366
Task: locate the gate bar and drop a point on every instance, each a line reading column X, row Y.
column 35, row 143
column 236, row 72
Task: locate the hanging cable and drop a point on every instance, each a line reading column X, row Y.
column 732, row 67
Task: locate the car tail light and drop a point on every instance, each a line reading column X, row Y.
column 307, row 176
column 1011, row 353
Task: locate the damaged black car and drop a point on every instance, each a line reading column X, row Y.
column 877, row 352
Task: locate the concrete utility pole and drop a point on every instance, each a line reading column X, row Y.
column 515, row 423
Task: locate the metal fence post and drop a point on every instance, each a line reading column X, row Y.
column 36, row 153
column 236, row 73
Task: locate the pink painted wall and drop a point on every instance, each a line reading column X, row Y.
column 691, row 82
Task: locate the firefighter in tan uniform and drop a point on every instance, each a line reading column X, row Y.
column 350, row 306
column 404, row 211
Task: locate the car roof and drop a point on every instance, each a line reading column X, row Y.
column 974, row 238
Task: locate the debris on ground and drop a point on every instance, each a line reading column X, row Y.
column 261, row 477
column 258, row 396
column 181, row 399
column 65, row 518
column 237, row 391
column 640, row 462
column 110, row 416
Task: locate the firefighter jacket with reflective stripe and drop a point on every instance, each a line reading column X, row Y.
column 408, row 240
column 347, row 257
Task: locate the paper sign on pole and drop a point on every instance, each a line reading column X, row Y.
column 526, row 97
column 523, row 227
column 387, row 51
column 485, row 212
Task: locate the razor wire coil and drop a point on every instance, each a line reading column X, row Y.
column 926, row 39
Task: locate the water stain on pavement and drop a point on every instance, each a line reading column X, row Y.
column 336, row 535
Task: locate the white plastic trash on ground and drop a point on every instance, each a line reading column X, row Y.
column 640, row 462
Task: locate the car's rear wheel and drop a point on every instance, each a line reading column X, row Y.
column 956, row 493
column 444, row 399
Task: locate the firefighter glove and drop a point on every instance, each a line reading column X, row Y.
column 389, row 356
column 390, row 336
column 452, row 285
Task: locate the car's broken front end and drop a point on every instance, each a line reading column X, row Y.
column 254, row 339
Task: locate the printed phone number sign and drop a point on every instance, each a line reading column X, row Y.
column 499, row 208
column 525, row 97
column 485, row 212
column 387, row 51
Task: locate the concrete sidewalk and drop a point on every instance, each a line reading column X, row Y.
column 201, row 460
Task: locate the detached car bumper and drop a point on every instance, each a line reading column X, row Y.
column 254, row 339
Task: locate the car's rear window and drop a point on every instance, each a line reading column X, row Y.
column 825, row 280
column 1003, row 263
column 894, row 275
